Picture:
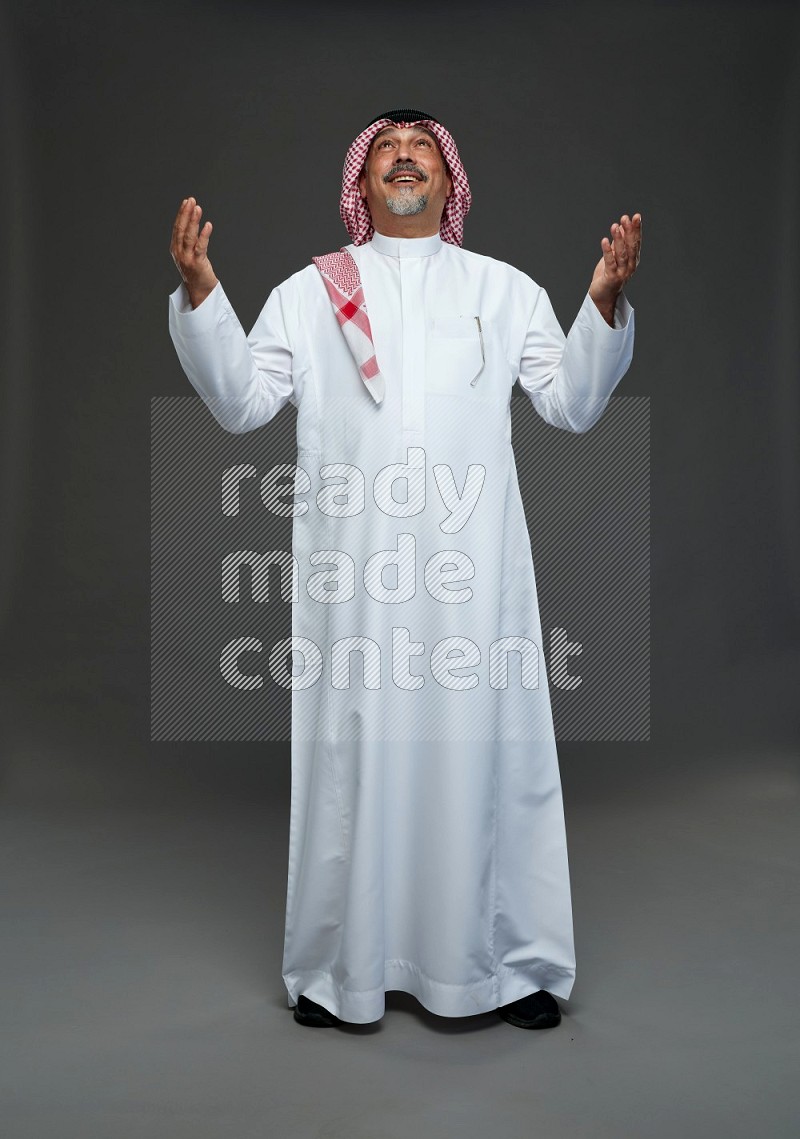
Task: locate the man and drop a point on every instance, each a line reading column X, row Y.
column 427, row 840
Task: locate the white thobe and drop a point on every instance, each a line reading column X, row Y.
column 427, row 839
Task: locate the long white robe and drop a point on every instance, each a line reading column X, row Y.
column 427, row 839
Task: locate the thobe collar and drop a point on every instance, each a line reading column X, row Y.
column 406, row 246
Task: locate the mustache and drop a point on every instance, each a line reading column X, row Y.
column 395, row 170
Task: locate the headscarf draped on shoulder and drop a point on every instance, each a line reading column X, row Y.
column 355, row 211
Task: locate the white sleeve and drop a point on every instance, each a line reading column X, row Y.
column 569, row 380
column 244, row 380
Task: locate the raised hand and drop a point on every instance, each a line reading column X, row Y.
column 189, row 249
column 618, row 264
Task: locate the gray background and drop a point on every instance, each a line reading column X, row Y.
column 144, row 882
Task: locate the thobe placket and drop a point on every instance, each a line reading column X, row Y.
column 403, row 264
column 413, row 372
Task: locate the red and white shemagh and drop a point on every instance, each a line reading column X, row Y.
column 343, row 282
column 339, row 270
column 355, row 211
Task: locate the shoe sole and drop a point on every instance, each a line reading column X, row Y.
column 543, row 1021
column 316, row 1020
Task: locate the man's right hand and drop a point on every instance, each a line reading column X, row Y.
column 189, row 249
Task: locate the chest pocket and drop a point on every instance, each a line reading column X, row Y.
column 464, row 358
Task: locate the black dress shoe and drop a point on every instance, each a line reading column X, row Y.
column 315, row 1016
column 538, row 1010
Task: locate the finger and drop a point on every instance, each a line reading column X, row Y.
column 184, row 216
column 637, row 233
column 202, row 240
column 620, row 243
column 184, row 213
column 192, row 225
column 621, row 249
column 178, row 224
column 630, row 235
column 608, row 256
column 633, row 240
column 626, row 225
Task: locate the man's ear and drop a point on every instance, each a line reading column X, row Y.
column 362, row 182
column 449, row 186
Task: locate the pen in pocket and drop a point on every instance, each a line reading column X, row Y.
column 474, row 379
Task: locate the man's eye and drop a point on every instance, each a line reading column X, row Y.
column 424, row 142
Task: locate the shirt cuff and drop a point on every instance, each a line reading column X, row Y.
column 198, row 321
column 623, row 312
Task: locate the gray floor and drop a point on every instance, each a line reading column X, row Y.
column 141, row 981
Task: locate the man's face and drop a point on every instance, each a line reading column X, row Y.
column 405, row 176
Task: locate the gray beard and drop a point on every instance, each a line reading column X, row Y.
column 406, row 205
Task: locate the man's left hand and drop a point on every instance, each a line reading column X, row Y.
column 617, row 265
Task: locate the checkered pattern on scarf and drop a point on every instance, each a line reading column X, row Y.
column 343, row 283
column 355, row 211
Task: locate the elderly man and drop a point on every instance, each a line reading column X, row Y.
column 427, row 839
